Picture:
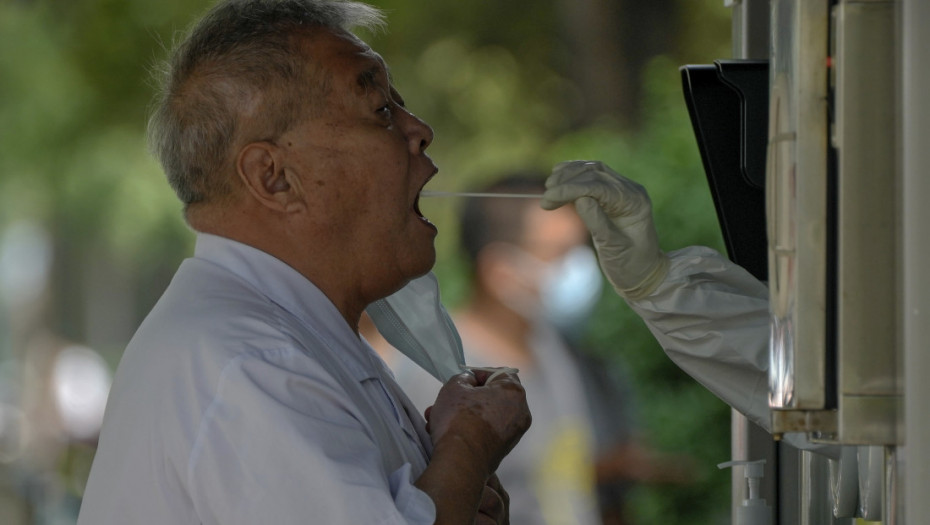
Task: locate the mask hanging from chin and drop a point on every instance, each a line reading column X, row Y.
column 415, row 322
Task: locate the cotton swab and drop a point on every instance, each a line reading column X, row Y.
column 428, row 193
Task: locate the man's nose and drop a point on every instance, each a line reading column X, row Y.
column 419, row 133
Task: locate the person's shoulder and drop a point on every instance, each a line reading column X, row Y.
column 209, row 323
column 204, row 299
column 210, row 289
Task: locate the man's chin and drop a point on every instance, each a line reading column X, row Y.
column 426, row 266
column 415, row 268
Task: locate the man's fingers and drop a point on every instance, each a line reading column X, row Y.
column 495, row 484
column 492, row 508
column 485, row 375
column 465, row 378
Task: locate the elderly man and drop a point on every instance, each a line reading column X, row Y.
column 247, row 396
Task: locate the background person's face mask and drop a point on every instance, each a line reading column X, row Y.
column 562, row 292
column 571, row 287
column 414, row 321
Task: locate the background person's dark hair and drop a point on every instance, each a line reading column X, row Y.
column 240, row 54
column 486, row 221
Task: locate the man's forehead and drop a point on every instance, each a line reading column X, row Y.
column 373, row 70
column 341, row 48
column 376, row 76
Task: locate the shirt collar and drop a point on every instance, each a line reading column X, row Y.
column 286, row 287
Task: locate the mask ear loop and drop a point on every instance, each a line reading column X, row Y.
column 495, row 371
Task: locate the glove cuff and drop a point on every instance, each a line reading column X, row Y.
column 650, row 282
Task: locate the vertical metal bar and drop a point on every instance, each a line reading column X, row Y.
column 868, row 384
column 915, row 189
column 751, row 33
column 750, row 40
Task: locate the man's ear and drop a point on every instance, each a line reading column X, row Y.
column 261, row 168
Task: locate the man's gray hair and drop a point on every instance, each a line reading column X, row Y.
column 240, row 52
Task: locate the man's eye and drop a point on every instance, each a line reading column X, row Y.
column 384, row 110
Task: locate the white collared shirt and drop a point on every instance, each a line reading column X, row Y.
column 245, row 397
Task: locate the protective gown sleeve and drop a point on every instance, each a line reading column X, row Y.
column 712, row 319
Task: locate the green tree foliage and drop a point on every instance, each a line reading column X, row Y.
column 492, row 78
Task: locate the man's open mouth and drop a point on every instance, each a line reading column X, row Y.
column 416, row 200
column 416, row 207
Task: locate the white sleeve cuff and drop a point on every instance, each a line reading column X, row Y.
column 412, row 503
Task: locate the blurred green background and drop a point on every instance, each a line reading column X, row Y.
column 90, row 233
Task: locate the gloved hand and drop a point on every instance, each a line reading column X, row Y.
column 618, row 213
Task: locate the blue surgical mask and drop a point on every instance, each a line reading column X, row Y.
column 570, row 289
column 415, row 322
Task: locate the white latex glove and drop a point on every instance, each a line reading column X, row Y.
column 618, row 213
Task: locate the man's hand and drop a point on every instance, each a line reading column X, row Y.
column 618, row 213
column 488, row 416
column 495, row 504
column 476, row 420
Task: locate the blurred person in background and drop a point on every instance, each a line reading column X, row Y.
column 247, row 395
column 533, row 283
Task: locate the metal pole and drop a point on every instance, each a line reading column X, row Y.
column 750, row 28
column 915, row 192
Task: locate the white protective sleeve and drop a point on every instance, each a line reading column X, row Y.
column 712, row 319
